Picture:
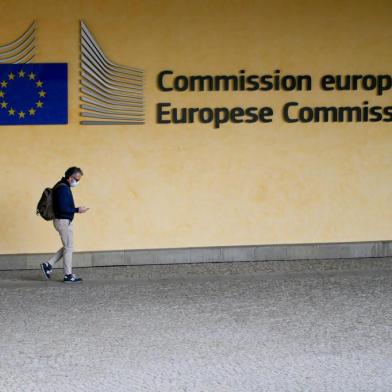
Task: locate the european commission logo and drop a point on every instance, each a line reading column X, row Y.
column 31, row 94
column 111, row 94
column 37, row 93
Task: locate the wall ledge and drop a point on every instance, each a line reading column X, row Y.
column 314, row 251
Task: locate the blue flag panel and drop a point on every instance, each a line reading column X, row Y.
column 32, row 94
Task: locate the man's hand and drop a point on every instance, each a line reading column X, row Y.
column 82, row 210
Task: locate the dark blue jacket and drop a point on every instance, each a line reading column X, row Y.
column 63, row 202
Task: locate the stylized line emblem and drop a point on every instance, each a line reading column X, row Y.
column 20, row 51
column 111, row 93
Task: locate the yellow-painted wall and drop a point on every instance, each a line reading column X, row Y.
column 155, row 186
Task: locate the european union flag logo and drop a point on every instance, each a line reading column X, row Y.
column 32, row 94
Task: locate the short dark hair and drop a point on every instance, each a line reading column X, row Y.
column 72, row 170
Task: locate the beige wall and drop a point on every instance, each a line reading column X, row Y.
column 156, row 185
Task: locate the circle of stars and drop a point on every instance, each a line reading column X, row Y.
column 21, row 114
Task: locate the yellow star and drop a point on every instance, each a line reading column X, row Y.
column 22, row 114
column 32, row 112
column 39, row 83
column 11, row 112
column 32, row 76
column 42, row 93
column 2, row 93
column 11, row 76
column 39, row 104
column 4, row 105
column 21, row 73
column 3, row 83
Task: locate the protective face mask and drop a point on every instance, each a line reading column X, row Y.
column 74, row 183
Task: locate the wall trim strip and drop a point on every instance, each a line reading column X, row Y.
column 315, row 251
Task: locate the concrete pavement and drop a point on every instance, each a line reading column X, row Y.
column 317, row 326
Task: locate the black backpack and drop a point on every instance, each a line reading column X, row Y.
column 45, row 204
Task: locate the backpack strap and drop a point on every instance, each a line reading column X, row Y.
column 59, row 184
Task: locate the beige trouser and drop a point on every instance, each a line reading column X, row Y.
column 65, row 229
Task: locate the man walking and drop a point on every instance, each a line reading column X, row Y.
column 64, row 210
